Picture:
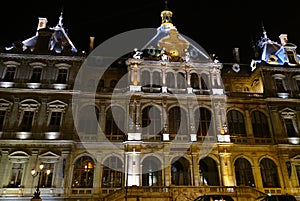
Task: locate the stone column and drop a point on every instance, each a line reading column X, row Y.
column 102, row 120
column 248, row 124
column 164, row 87
column 14, row 116
column 133, row 167
column 191, row 121
column 283, row 174
column 62, row 170
column 166, row 135
column 195, row 169
column 4, row 170
column 97, row 174
column 167, row 168
column 226, row 169
column 32, row 163
column 256, row 173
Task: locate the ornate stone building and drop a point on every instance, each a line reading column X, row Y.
column 164, row 122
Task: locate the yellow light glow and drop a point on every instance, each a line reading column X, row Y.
column 41, row 166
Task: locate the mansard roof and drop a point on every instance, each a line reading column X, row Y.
column 273, row 53
column 46, row 40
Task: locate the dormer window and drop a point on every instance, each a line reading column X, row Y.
column 291, row 57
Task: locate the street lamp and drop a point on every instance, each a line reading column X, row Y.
column 34, row 173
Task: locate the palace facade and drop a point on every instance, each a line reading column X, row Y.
column 164, row 122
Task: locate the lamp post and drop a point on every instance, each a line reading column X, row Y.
column 34, row 173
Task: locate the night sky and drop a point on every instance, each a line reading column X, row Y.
column 217, row 26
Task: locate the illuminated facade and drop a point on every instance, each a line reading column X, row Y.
column 178, row 126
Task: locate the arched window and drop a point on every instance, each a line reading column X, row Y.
column 202, row 121
column 260, row 124
column 145, row 81
column 181, row 82
column 88, row 119
column 170, row 81
column 177, row 122
column 269, row 173
column 243, row 173
column 151, row 123
column 236, row 124
column 156, row 81
column 114, row 124
column 152, row 173
column 195, row 81
column 112, row 173
column 209, row 174
column 180, row 172
column 83, row 174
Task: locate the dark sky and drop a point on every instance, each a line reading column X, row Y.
column 218, row 26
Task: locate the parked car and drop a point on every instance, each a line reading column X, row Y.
column 214, row 198
column 277, row 198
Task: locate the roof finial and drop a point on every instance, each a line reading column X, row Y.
column 60, row 23
column 264, row 31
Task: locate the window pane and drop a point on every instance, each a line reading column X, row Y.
column 269, row 173
column 62, row 76
column 112, row 173
column 260, row 125
column 55, row 121
column 10, row 74
column 114, row 126
column 243, row 172
column 26, row 123
column 83, row 174
column 36, row 75
column 202, row 121
column 46, row 179
column 151, row 123
column 16, row 176
column 236, row 123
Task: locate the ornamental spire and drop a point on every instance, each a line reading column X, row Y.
column 166, row 15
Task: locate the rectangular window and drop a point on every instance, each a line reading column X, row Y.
column 16, row 176
column 2, row 118
column 27, row 120
column 55, row 120
column 36, row 75
column 46, row 179
column 62, row 76
column 10, row 74
column 291, row 57
column 290, row 129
